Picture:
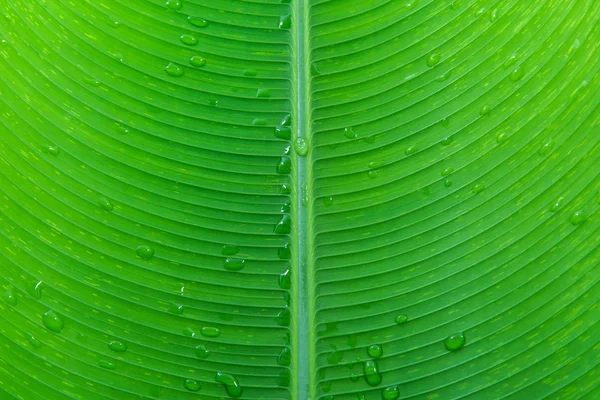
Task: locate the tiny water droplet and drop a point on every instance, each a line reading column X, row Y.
column 285, row 280
column 485, row 110
column 91, row 81
column 192, row 385
column 301, row 146
column 455, row 342
column 123, row 130
column 546, row 147
column 410, row 4
column 174, row 4
column 53, row 150
column 284, row 166
column 477, row 188
column 113, row 24
column 284, row 358
column 517, row 73
column 117, row 346
column 349, row 133
column 374, row 173
column 234, row 264
column 354, row 378
column 37, row 290
column 107, row 364
column 285, row 22
column 105, row 204
column 209, row 331
column 401, row 319
column 176, row 308
column 511, row 60
column 36, row 344
column 447, row 141
column 494, row 15
column 145, row 252
column 557, row 204
column 433, row 59
column 189, row 40
column 447, row 171
column 284, row 226
column 286, row 207
column 197, row 61
column 231, row 384
column 10, row 297
column 375, row 351
column 411, row 150
column 285, row 189
column 578, row 217
column 53, row 321
column 372, row 374
column 213, row 102
column 264, row 93
column 197, row 21
column 174, row 70
column 501, row 137
column 201, row 351
column 447, row 183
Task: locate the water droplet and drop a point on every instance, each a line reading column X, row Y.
column 189, row 40
column 201, row 351
column 209, row 331
column 411, row 4
column 446, row 122
column 107, row 364
column 285, row 189
column 485, row 110
column 455, row 5
column 283, row 380
column 517, row 73
column 145, row 252
column 37, row 290
column 284, row 166
column 578, row 217
column 117, row 346
column 557, row 204
column 501, row 137
column 447, row 171
column 433, row 59
column 53, row 150
column 259, row 121
column 197, row 61
column 283, row 132
column 36, row 344
column 301, row 146
column 285, row 22
column 231, row 384
column 283, row 318
column 10, row 297
column 192, row 385
column 447, row 183
column 447, row 141
column 105, row 204
column 213, row 102
column 349, row 133
column 174, row 70
column 390, row 393
column 53, row 321
column 91, row 81
column 511, row 60
column 443, row 76
column 335, row 357
column 285, row 357
column 401, row 319
column 374, row 173
column 230, row 250
column 113, row 24
column 375, row 164
column 284, row 226
column 477, row 188
column 546, row 147
column 249, row 72
column 494, row 15
column 285, row 280
column 286, row 207
column 354, row 378
column 375, row 351
column 174, row 4
column 372, row 374
column 314, row 69
column 284, row 253
column 176, row 308
column 411, row 150
column 197, row 21
column 122, row 130
column 455, row 342
column 234, row 264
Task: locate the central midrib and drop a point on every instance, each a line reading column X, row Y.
column 302, row 291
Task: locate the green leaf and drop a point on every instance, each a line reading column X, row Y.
column 299, row 199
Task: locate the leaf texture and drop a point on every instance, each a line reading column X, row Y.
column 299, row 199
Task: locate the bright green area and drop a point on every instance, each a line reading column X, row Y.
column 299, row 199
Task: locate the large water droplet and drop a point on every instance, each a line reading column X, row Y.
column 201, row 351
column 107, row 365
column 117, row 346
column 210, row 331
column 145, row 252
column 105, row 204
column 231, row 384
column 455, row 342
column 372, row 374
column 174, row 70
column 197, row 21
column 433, row 59
column 301, row 146
column 349, row 133
column 284, row 357
column 401, row 319
column 375, row 351
column 284, row 226
column 197, row 61
column 284, row 166
column 234, row 264
column 285, row 22
column 53, row 321
column 192, row 385
column 284, row 317
column 578, row 217
column 189, row 40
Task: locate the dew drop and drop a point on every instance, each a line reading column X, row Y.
column 174, row 4
column 433, row 59
column 117, row 346
column 301, row 146
column 189, row 40
column 283, row 318
column 53, row 321
column 284, row 253
column 349, row 133
column 375, row 164
column 314, row 69
column 443, row 76
column 285, row 280
column 477, row 188
column 209, row 331
column 105, row 204
column 10, row 298
column 557, row 204
column 285, row 22
column 485, row 110
column 174, row 70
column 197, row 21
column 494, row 15
column 283, row 132
column 447, row 141
column 123, row 130
column 285, row 357
column 411, row 4
column 447, row 171
column 546, row 147
column 372, row 374
column 354, row 378
column 36, row 344
column 335, row 357
column 192, row 385
column 455, row 342
column 113, row 24
column 447, row 183
column 197, row 61
column 285, row 189
column 107, row 365
column 53, row 150
column 411, row 150
column 517, row 74
column 283, row 380
column 91, row 81
column 286, row 207
column 375, row 351
column 501, row 137
column 390, row 393
column 578, row 217
column 145, row 252
column 284, row 166
column 234, row 264
column 213, row 102
column 201, row 351
column 510, row 61
column 176, row 308
column 401, row 319
column 446, row 122
column 37, row 290
column 231, row 384
column 284, row 226
column 263, row 93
